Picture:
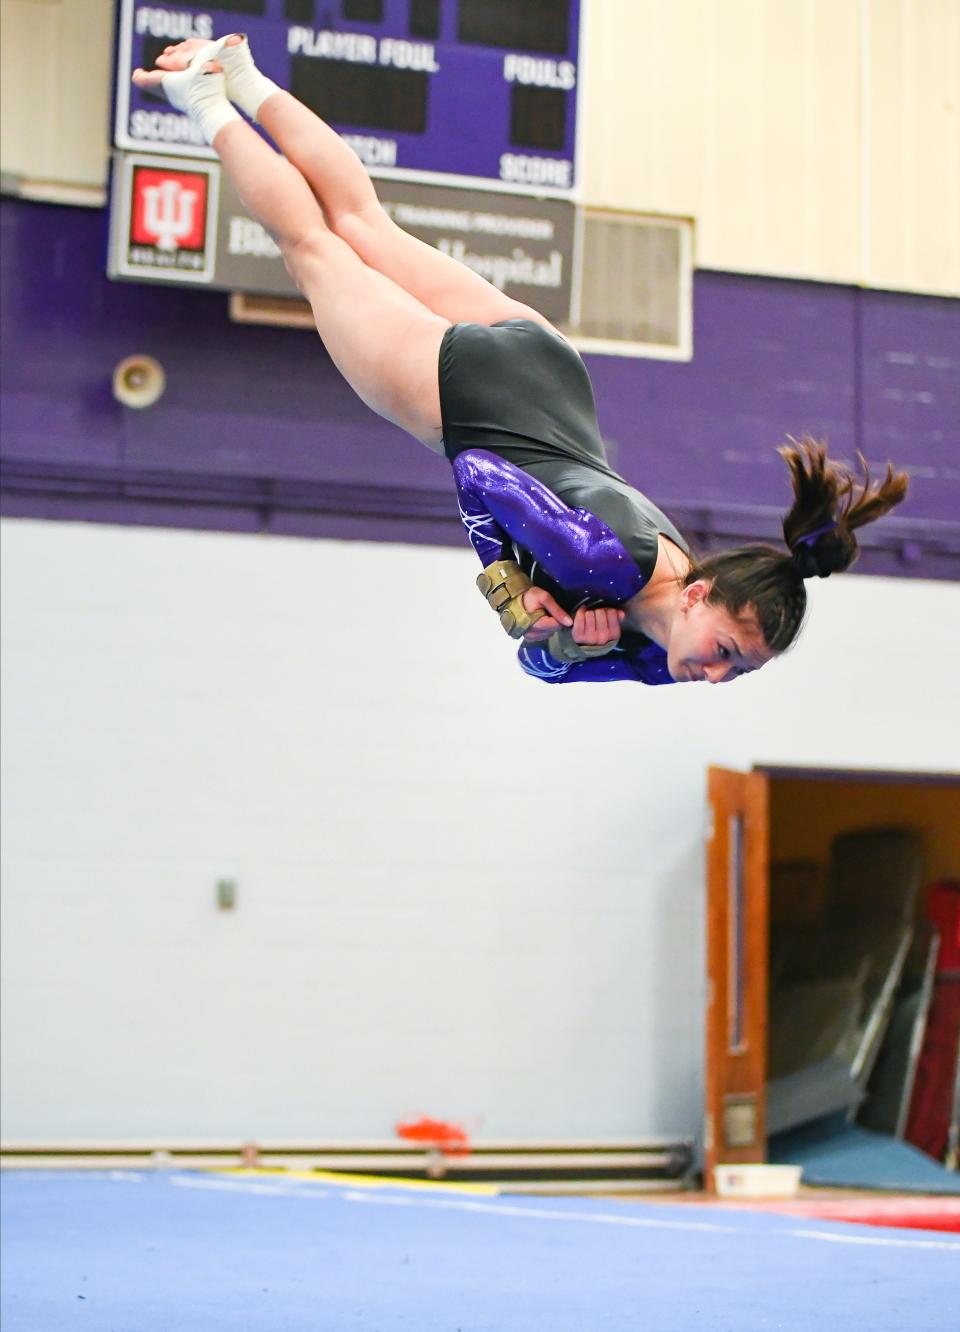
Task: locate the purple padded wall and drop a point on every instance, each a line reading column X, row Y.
column 257, row 431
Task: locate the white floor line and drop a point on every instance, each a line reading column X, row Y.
column 890, row 1242
column 550, row 1214
column 274, row 1190
column 544, row 1214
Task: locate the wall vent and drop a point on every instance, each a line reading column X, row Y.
column 633, row 289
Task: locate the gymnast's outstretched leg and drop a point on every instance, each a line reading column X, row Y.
column 353, row 211
column 384, row 342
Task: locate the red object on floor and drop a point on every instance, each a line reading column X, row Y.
column 451, row 1139
column 931, row 1105
column 913, row 1213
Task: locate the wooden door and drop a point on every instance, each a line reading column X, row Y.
column 737, row 910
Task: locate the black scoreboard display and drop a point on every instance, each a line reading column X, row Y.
column 482, row 90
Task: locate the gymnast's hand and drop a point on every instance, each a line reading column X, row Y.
column 591, row 628
column 538, row 598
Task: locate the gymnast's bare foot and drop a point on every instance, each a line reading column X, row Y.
column 246, row 87
column 176, row 58
column 199, row 88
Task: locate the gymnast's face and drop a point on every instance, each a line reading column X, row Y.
column 708, row 643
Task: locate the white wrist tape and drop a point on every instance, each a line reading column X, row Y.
column 202, row 96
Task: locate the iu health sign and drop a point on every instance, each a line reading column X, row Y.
column 480, row 90
column 179, row 220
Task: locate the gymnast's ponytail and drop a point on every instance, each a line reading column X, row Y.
column 829, row 503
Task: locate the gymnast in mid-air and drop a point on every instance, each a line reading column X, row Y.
column 589, row 575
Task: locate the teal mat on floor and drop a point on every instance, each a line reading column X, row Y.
column 836, row 1154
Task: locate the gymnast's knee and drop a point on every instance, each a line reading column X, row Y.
column 309, row 242
column 305, row 251
column 362, row 226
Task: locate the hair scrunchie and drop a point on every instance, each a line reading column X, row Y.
column 807, row 561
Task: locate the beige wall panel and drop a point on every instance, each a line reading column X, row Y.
column 743, row 115
column 807, row 138
column 750, row 116
column 55, row 89
column 912, row 149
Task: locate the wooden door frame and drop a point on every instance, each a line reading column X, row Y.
column 738, row 877
column 736, row 1072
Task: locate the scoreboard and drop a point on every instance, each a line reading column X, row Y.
column 483, row 92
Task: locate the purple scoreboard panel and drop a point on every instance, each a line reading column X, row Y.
column 481, row 90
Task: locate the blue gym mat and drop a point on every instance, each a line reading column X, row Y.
column 173, row 1251
column 836, row 1154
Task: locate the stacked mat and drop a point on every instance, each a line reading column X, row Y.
column 834, row 980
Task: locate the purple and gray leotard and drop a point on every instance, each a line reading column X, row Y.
column 533, row 483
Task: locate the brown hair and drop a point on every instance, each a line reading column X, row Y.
column 829, row 502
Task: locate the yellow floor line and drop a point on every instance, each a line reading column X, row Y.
column 361, row 1181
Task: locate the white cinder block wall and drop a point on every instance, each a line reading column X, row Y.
column 461, row 892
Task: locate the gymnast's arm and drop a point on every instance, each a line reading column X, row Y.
column 537, row 661
column 501, row 505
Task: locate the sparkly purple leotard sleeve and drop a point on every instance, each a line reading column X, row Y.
column 502, row 506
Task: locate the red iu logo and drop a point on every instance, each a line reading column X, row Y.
column 169, row 209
